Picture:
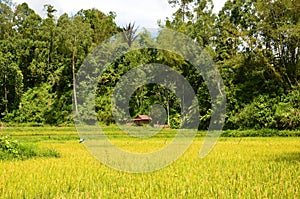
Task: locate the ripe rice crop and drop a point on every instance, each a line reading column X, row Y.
column 236, row 168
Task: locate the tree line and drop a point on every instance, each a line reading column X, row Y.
column 254, row 43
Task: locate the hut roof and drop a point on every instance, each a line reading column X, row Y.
column 142, row 118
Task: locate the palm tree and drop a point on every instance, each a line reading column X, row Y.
column 129, row 33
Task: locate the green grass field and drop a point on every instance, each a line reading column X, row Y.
column 236, row 168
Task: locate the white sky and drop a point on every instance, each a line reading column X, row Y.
column 144, row 13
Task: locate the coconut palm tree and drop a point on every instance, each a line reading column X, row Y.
column 129, row 33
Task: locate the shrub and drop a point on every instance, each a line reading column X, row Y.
column 287, row 112
column 260, row 133
column 280, row 113
column 259, row 114
column 11, row 149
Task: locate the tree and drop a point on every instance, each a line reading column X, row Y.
column 183, row 13
column 48, row 28
column 103, row 26
column 129, row 33
column 75, row 43
column 10, row 82
column 29, row 46
column 6, row 19
column 10, row 76
column 280, row 39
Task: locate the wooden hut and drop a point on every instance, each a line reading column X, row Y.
column 142, row 120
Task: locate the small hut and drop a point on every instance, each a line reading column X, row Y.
column 142, row 120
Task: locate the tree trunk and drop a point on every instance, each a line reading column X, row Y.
column 74, row 81
column 5, row 94
column 168, row 109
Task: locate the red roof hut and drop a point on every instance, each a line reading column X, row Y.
column 142, row 120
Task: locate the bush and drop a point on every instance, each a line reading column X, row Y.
column 260, row 133
column 39, row 106
column 287, row 112
column 282, row 113
column 33, row 105
column 12, row 149
column 259, row 114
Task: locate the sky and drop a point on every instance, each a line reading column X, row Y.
column 145, row 13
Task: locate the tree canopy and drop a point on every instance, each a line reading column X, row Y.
column 254, row 43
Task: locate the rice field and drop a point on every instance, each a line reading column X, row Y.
column 236, row 168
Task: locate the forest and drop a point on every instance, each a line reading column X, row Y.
column 254, row 43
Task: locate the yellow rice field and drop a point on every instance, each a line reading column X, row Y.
column 236, row 168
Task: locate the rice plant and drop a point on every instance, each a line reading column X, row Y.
column 236, row 168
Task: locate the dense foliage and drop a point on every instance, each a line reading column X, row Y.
column 255, row 44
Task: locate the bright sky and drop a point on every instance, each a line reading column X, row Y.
column 144, row 13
